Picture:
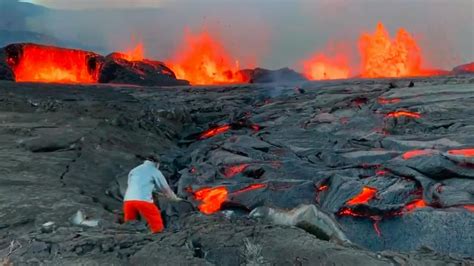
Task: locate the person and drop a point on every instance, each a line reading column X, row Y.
column 138, row 199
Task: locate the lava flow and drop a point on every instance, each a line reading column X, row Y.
column 211, row 199
column 249, row 188
column 462, row 152
column 39, row 63
column 202, row 60
column 363, row 197
column 416, row 204
column 385, row 57
column 321, row 67
column 416, row 153
column 235, row 169
column 398, row 114
column 214, row 131
column 388, row 101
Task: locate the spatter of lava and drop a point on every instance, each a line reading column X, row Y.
column 202, row 59
column 134, row 54
column 322, row 67
column 383, row 56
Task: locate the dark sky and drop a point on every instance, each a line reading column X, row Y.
column 276, row 33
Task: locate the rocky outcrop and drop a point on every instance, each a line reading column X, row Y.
column 464, row 69
column 261, row 75
column 98, row 69
column 386, row 168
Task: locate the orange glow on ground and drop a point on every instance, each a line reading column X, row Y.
column 469, row 207
column 211, row 199
column 383, row 56
column 234, row 170
column 388, row 101
column 462, row 152
column 214, row 131
column 52, row 64
column 363, row 197
column 398, row 114
column 321, row 67
column 202, row 60
column 415, row 153
column 416, row 204
column 250, row 188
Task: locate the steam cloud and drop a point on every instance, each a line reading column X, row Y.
column 266, row 33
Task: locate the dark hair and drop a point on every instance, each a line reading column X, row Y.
column 153, row 157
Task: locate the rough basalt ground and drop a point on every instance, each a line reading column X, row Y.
column 68, row 148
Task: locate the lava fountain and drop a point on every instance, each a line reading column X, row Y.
column 322, row 67
column 383, row 56
column 37, row 63
column 134, row 54
column 202, row 60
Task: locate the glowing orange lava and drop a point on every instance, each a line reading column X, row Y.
column 383, row 56
column 416, row 204
column 251, row 187
column 469, row 207
column 214, row 131
column 415, row 153
column 211, row 199
column 462, row 152
column 135, row 54
column 363, row 197
column 321, row 67
column 202, row 59
column 234, row 170
column 388, row 101
column 51, row 64
column 398, row 114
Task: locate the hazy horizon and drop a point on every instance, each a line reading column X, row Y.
column 273, row 33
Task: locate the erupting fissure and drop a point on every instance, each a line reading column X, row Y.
column 38, row 63
column 383, row 56
column 321, row 67
column 202, row 60
column 135, row 54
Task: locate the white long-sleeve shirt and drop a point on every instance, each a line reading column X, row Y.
column 143, row 179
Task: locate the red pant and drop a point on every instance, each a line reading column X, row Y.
column 147, row 210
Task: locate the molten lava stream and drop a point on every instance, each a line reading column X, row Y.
column 52, row 64
column 363, row 197
column 202, row 60
column 214, row 131
column 416, row 204
column 416, row 153
column 211, row 199
column 383, row 56
column 321, row 67
column 398, row 114
column 250, row 188
column 462, row 152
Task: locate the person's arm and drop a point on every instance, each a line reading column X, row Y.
column 162, row 185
